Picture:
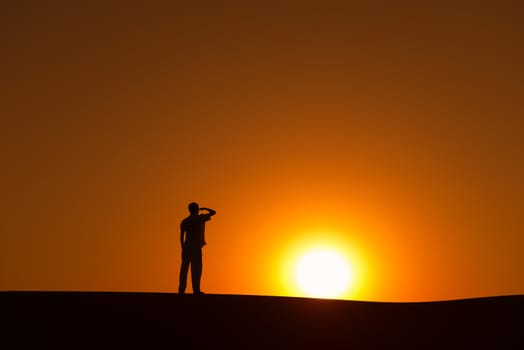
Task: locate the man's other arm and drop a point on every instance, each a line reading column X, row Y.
column 182, row 231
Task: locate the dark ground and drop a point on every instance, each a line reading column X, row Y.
column 95, row 320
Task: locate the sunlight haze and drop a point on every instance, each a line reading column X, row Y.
column 390, row 133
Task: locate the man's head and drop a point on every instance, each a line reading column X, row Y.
column 193, row 208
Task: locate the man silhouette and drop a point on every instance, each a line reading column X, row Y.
column 192, row 239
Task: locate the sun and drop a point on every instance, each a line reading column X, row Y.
column 323, row 273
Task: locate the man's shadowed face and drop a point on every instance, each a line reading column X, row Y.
column 193, row 208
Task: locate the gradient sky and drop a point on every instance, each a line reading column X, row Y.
column 393, row 131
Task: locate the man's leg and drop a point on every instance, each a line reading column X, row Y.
column 184, row 267
column 196, row 269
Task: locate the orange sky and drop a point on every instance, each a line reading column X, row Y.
column 395, row 132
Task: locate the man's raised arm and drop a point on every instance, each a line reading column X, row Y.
column 210, row 212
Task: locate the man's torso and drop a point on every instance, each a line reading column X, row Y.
column 194, row 226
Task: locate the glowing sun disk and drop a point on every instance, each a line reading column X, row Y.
column 323, row 274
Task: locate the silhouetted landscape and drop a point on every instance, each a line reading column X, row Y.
column 119, row 320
